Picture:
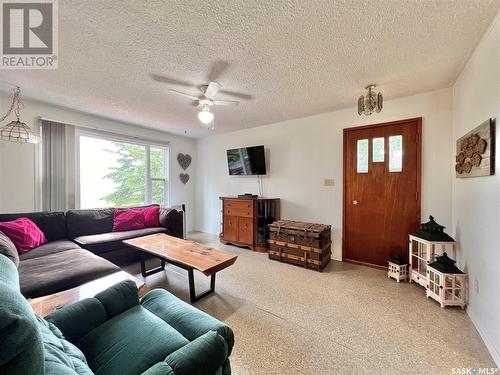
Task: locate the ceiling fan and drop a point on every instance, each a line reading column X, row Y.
column 207, row 100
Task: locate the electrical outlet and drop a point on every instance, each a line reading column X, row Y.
column 476, row 285
column 329, row 182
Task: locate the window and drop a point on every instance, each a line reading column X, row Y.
column 362, row 154
column 116, row 173
column 378, row 150
column 396, row 153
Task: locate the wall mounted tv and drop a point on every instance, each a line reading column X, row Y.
column 246, row 161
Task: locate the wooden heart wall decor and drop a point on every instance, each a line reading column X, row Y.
column 184, row 177
column 184, row 161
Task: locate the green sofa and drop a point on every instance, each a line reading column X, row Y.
column 112, row 333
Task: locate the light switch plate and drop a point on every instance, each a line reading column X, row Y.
column 329, row 182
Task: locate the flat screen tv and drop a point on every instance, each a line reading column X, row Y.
column 246, row 161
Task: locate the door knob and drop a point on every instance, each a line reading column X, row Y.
column 354, row 202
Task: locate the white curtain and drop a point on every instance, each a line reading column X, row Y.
column 54, row 166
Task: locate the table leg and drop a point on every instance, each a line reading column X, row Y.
column 192, row 293
column 152, row 271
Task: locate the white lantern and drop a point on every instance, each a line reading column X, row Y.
column 425, row 245
column 397, row 271
column 447, row 284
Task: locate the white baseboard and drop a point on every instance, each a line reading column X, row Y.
column 486, row 339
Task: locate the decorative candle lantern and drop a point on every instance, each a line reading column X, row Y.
column 397, row 269
column 447, row 283
column 425, row 244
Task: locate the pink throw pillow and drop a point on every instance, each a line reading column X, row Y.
column 152, row 216
column 135, row 218
column 24, row 233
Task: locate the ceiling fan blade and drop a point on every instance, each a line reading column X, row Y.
column 212, row 89
column 217, row 70
column 172, row 81
column 237, row 94
column 184, row 94
column 226, row 102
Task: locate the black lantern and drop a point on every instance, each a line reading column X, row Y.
column 445, row 264
column 397, row 259
column 432, row 231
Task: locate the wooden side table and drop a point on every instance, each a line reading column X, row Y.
column 45, row 305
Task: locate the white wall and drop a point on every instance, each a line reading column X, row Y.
column 303, row 152
column 476, row 201
column 17, row 167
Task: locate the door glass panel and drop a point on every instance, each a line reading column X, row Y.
column 362, row 153
column 396, row 153
column 378, row 150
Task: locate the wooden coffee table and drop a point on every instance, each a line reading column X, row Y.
column 46, row 304
column 185, row 254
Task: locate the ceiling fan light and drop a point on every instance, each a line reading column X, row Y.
column 205, row 116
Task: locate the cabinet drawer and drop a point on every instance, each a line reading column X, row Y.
column 238, row 212
column 241, row 204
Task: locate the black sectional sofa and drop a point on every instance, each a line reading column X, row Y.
column 81, row 247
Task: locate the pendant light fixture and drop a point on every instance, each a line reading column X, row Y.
column 370, row 103
column 205, row 116
column 17, row 131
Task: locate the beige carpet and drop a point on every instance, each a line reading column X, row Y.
column 346, row 320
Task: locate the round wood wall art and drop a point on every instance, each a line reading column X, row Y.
column 476, row 152
column 184, row 177
column 184, row 160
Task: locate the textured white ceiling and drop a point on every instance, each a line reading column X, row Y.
column 295, row 58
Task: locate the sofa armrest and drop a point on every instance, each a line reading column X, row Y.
column 188, row 320
column 161, row 368
column 205, row 355
column 78, row 319
column 173, row 221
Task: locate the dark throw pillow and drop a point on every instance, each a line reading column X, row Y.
column 8, row 249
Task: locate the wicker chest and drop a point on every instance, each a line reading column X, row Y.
column 304, row 244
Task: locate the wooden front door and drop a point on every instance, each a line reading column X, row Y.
column 381, row 190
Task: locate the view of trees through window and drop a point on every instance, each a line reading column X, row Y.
column 115, row 174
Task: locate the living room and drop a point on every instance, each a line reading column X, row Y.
column 155, row 170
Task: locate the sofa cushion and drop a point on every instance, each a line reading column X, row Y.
column 21, row 349
column 59, row 271
column 61, row 356
column 87, row 222
column 49, row 248
column 100, row 243
column 8, row 249
column 24, row 233
column 130, row 343
column 52, row 224
column 173, row 220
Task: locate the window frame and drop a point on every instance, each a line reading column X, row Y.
column 79, row 132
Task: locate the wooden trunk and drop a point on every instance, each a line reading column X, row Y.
column 304, row 244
